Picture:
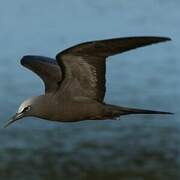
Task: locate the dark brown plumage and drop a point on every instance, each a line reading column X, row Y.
column 75, row 84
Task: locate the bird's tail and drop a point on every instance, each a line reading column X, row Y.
column 116, row 111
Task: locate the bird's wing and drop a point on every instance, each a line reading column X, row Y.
column 83, row 65
column 46, row 68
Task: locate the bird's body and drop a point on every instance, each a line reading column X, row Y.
column 66, row 109
column 75, row 82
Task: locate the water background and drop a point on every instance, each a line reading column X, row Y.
column 134, row 148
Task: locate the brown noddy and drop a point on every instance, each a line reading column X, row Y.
column 75, row 82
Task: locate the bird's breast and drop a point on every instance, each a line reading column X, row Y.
column 71, row 111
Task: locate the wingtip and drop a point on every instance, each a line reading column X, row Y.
column 164, row 112
column 161, row 38
column 158, row 39
column 24, row 59
column 170, row 113
column 166, row 39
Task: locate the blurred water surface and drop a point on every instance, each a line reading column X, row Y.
column 134, row 148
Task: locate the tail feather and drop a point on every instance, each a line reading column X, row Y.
column 143, row 111
column 117, row 111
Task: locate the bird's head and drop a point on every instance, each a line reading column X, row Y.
column 27, row 108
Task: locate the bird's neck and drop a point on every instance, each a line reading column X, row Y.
column 44, row 106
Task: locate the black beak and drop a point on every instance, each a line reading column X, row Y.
column 13, row 119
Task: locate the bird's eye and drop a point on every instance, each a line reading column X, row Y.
column 26, row 108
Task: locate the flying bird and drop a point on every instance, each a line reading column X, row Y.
column 75, row 82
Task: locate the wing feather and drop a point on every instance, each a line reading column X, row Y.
column 84, row 68
column 46, row 68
